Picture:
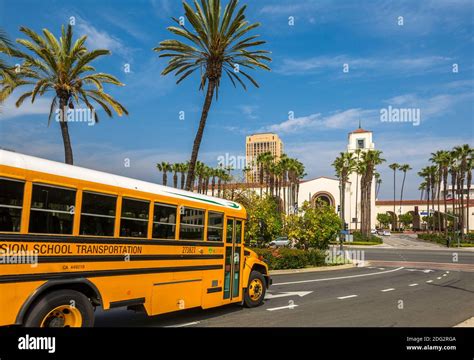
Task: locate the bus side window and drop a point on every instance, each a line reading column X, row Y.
column 51, row 210
column 98, row 214
column 215, row 226
column 192, row 224
column 134, row 219
column 11, row 202
column 164, row 221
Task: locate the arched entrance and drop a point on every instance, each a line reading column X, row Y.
column 323, row 197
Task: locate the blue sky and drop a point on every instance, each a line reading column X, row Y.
column 408, row 66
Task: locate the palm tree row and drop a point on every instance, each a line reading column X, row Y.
column 281, row 179
column 207, row 178
column 364, row 164
column 456, row 164
column 403, row 168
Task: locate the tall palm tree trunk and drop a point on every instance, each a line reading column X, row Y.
column 445, row 187
column 357, row 199
column 197, row 141
column 68, row 157
column 183, row 178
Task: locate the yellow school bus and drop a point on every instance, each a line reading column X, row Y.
column 72, row 239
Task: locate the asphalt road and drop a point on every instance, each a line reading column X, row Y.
column 395, row 296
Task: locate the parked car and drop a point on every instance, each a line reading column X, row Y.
column 373, row 231
column 384, row 232
column 280, row 241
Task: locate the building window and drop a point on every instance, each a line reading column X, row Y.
column 52, row 210
column 215, row 225
column 192, row 224
column 11, row 202
column 164, row 221
column 360, row 143
column 134, row 220
column 98, row 214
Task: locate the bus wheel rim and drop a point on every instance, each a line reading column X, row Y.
column 255, row 289
column 63, row 316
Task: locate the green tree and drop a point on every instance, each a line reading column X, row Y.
column 63, row 67
column 384, row 219
column 215, row 44
column 406, row 219
column 264, row 222
column 313, row 226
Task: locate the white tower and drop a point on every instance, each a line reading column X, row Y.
column 359, row 140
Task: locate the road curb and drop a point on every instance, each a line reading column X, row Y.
column 313, row 269
column 466, row 323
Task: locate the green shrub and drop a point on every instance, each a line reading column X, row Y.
column 358, row 237
column 284, row 258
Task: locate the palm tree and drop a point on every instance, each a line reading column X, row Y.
column 439, row 158
column 164, row 167
column 422, row 188
column 357, row 152
column 469, row 169
column 264, row 160
column 63, row 67
column 214, row 45
column 175, row 168
column 463, row 153
column 345, row 164
column 369, row 160
column 183, row 169
column 378, row 183
column 404, row 168
column 394, row 167
column 8, row 76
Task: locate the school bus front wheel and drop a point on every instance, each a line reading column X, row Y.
column 255, row 291
column 62, row 308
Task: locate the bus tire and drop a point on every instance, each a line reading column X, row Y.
column 61, row 308
column 255, row 291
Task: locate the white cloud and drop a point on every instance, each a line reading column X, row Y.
column 380, row 65
column 249, row 111
column 9, row 110
column 336, row 120
column 100, row 39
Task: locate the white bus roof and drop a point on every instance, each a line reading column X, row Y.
column 22, row 161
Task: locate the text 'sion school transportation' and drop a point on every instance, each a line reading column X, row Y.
column 72, row 239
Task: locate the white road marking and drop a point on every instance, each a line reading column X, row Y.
column 386, row 290
column 184, row 325
column 337, row 278
column 429, row 281
column 381, row 268
column 347, row 297
column 439, row 277
column 447, row 272
column 413, row 284
column 424, row 271
column 294, row 293
column 445, row 275
column 283, row 307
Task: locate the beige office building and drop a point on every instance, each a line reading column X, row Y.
column 257, row 144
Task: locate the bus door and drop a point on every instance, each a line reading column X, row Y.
column 233, row 259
